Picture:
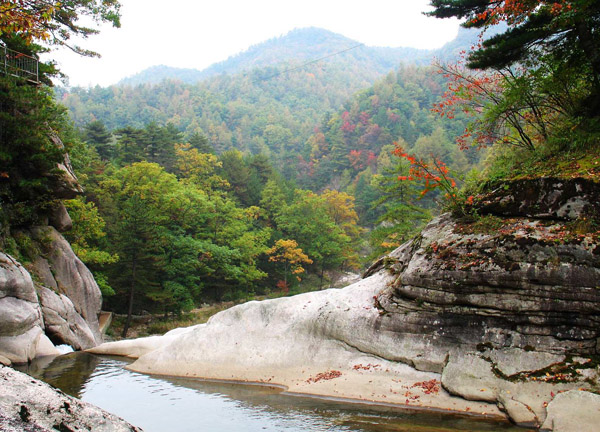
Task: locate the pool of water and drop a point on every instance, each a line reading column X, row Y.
column 159, row 404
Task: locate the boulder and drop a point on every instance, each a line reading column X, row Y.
column 59, row 218
column 73, row 279
column 18, row 316
column 518, row 285
column 61, row 307
column 573, row 411
column 23, row 347
column 65, row 185
column 28, row 404
column 63, row 324
column 543, row 198
column 15, row 280
column 21, row 323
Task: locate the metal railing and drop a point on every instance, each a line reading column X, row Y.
column 18, row 64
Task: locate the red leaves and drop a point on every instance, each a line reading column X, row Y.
column 434, row 174
column 325, row 376
column 369, row 366
column 428, row 387
column 347, row 126
column 515, row 12
column 359, row 159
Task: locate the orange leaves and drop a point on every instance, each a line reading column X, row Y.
column 434, row 174
column 288, row 250
column 515, row 12
column 29, row 20
column 468, row 91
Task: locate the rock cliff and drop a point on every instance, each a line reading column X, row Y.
column 500, row 311
column 53, row 298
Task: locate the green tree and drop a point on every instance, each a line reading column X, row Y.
column 401, row 216
column 130, row 145
column 199, row 168
column 200, row 143
column 100, row 138
column 236, row 172
column 135, row 198
column 87, row 240
column 307, row 221
column 30, row 180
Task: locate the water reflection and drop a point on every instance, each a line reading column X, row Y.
column 180, row 405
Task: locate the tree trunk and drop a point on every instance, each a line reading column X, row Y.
column 590, row 48
column 321, row 282
column 131, row 292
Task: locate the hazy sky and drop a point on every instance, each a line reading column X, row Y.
column 196, row 34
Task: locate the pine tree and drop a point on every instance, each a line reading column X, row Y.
column 566, row 31
column 100, row 138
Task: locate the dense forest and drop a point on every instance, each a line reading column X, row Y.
column 264, row 174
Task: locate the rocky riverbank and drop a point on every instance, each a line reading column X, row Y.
column 496, row 315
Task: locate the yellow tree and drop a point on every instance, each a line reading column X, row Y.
column 199, row 168
column 340, row 206
column 292, row 257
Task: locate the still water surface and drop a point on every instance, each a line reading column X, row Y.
column 159, row 404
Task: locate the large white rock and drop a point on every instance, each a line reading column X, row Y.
column 63, row 322
column 323, row 343
column 72, row 277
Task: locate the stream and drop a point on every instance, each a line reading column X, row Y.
column 159, row 404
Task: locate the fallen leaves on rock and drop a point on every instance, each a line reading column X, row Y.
column 428, row 387
column 369, row 366
column 324, row 376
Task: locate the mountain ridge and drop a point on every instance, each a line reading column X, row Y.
column 299, row 45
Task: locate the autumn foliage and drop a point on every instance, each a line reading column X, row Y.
column 433, row 174
column 292, row 257
column 28, row 18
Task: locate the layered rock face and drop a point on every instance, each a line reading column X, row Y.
column 521, row 285
column 527, row 281
column 502, row 310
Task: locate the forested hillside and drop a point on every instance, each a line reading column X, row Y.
column 297, row 47
column 275, row 110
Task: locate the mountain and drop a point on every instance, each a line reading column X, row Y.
column 270, row 98
column 156, row 74
column 298, row 46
